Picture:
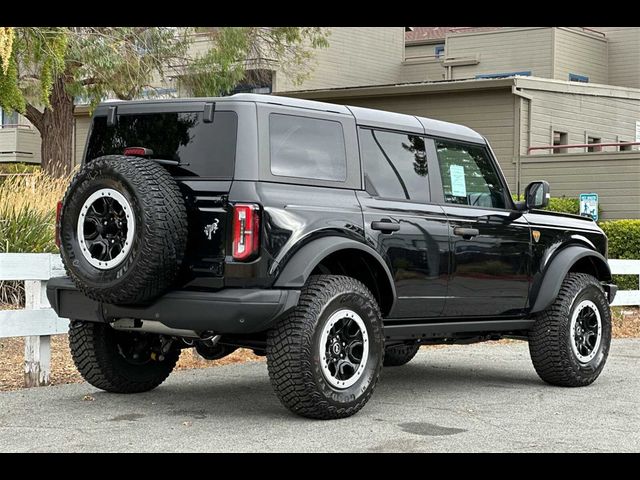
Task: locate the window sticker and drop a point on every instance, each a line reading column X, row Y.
column 458, row 185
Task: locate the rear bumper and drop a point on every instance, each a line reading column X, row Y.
column 232, row 310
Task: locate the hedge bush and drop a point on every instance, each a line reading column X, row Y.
column 564, row 205
column 561, row 205
column 624, row 244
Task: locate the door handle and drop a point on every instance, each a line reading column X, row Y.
column 385, row 226
column 466, row 233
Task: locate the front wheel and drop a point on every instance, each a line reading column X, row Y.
column 569, row 342
column 325, row 357
column 118, row 361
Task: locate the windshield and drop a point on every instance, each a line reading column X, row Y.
column 203, row 149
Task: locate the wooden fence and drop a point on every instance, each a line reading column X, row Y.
column 37, row 321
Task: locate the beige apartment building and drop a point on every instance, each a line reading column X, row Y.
column 524, row 88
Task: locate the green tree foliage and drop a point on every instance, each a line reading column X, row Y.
column 45, row 68
column 7, row 34
column 234, row 49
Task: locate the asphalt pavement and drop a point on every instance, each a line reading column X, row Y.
column 484, row 397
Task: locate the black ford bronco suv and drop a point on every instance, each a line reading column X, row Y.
column 332, row 239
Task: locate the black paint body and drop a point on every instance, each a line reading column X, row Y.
column 437, row 276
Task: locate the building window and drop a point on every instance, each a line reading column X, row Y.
column 8, row 119
column 439, row 51
column 625, row 148
column 526, row 73
column 152, row 93
column 574, row 77
column 560, row 138
column 255, row 81
column 594, row 140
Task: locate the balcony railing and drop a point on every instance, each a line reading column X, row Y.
column 597, row 146
column 16, row 125
column 19, row 143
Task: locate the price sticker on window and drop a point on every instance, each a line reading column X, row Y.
column 458, row 185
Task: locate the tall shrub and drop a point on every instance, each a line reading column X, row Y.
column 624, row 244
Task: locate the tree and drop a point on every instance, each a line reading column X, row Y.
column 43, row 69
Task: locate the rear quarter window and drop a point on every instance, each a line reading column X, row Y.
column 305, row 147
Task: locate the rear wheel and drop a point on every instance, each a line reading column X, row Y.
column 569, row 343
column 399, row 355
column 325, row 357
column 118, row 361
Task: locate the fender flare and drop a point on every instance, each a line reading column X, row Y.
column 549, row 285
column 297, row 269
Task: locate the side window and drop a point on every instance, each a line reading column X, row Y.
column 468, row 176
column 395, row 165
column 307, row 147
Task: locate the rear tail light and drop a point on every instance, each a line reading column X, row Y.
column 58, row 214
column 246, row 231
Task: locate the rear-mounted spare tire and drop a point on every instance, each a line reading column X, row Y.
column 123, row 229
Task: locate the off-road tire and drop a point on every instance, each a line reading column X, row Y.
column 398, row 355
column 158, row 246
column 95, row 352
column 293, row 357
column 550, row 338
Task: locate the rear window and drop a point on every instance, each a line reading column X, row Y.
column 306, row 147
column 203, row 149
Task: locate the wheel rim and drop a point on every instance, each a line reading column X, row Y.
column 105, row 229
column 586, row 331
column 344, row 348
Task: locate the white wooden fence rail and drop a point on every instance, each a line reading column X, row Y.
column 37, row 321
column 626, row 267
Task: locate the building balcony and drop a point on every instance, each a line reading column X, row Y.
column 19, row 143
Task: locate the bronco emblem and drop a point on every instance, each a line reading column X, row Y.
column 211, row 229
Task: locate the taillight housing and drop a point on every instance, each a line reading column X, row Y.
column 138, row 151
column 58, row 214
column 245, row 231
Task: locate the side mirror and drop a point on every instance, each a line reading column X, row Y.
column 537, row 194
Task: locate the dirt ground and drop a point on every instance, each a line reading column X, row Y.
column 64, row 371
column 626, row 324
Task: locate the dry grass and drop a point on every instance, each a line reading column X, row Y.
column 626, row 324
column 36, row 191
column 27, row 220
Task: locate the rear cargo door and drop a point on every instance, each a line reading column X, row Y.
column 196, row 142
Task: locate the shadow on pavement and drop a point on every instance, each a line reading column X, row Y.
column 204, row 396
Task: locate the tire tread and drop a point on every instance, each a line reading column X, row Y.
column 290, row 343
column 548, row 344
column 93, row 355
column 165, row 224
